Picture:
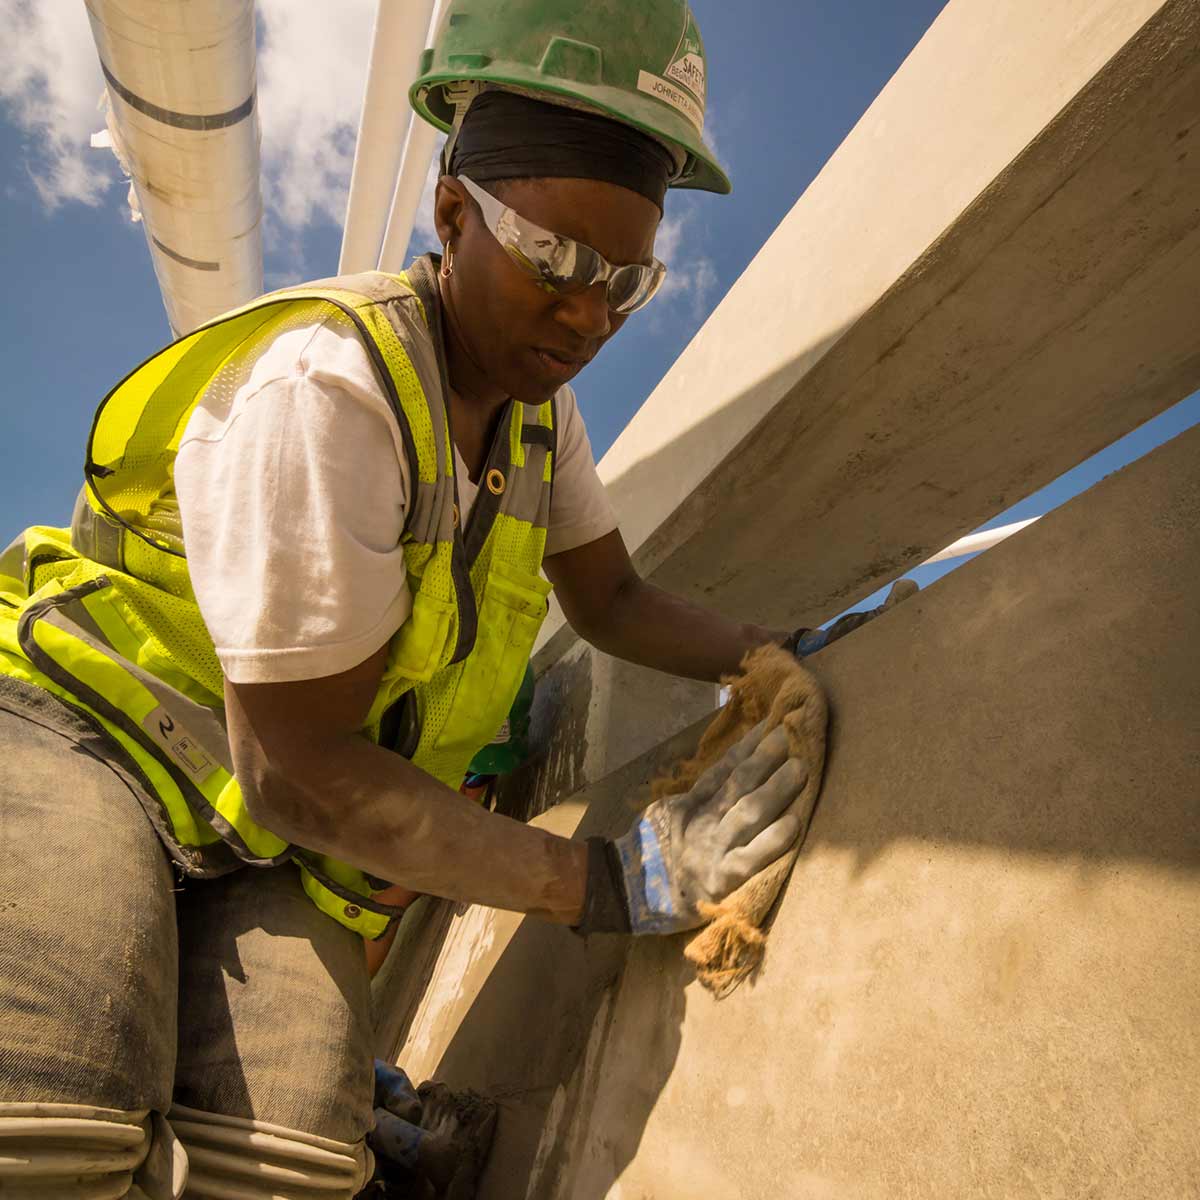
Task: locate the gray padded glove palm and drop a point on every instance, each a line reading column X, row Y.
column 704, row 844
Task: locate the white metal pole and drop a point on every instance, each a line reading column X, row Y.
column 396, row 44
column 418, row 151
column 182, row 120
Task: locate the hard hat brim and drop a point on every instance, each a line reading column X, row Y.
column 647, row 114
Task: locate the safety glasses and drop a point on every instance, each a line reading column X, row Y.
column 561, row 264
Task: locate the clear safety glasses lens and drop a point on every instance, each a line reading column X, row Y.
column 561, row 264
column 631, row 288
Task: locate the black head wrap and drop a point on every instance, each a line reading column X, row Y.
column 508, row 136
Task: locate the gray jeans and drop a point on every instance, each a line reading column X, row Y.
column 125, row 988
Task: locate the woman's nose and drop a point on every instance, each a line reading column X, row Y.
column 586, row 312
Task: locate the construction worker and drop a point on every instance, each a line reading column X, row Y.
column 369, row 476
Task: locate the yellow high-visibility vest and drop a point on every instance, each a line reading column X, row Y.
column 103, row 614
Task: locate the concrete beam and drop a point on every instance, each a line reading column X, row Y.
column 993, row 278
column 983, row 979
column 592, row 714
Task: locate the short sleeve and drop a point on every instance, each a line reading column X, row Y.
column 580, row 510
column 293, row 497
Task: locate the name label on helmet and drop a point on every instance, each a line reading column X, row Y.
column 676, row 97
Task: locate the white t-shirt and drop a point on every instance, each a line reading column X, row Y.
column 293, row 488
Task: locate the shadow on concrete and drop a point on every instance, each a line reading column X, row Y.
column 1041, row 701
column 538, row 1036
column 1044, row 699
column 558, row 724
column 1046, row 322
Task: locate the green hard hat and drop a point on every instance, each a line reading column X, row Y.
column 510, row 747
column 637, row 61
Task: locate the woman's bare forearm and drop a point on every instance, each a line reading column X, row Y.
column 654, row 628
column 372, row 808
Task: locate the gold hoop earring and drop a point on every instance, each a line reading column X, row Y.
column 448, row 262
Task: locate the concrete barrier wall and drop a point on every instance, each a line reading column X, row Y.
column 990, row 280
column 984, row 977
column 993, row 278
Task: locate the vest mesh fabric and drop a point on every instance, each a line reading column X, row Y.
column 148, row 607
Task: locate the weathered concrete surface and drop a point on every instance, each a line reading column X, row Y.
column 592, row 714
column 993, row 278
column 984, row 978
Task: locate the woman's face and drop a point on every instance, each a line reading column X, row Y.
column 527, row 341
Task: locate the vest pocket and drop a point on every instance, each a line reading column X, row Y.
column 513, row 609
column 460, row 721
column 417, row 648
column 524, row 593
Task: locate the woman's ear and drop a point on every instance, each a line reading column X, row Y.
column 449, row 209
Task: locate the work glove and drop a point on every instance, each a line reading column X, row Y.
column 699, row 846
column 428, row 1140
column 804, row 642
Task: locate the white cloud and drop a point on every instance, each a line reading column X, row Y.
column 312, row 64
column 311, row 74
column 312, row 68
column 691, row 275
column 50, row 85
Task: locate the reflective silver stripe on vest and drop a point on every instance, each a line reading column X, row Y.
column 96, row 537
column 431, row 514
column 12, row 558
column 312, row 864
column 423, row 277
column 183, row 717
column 528, row 497
column 430, row 517
column 202, row 727
column 187, row 739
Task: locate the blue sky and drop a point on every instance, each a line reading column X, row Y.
column 787, row 81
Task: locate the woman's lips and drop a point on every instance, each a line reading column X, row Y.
column 558, row 365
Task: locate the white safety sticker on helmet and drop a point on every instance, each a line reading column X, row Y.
column 687, row 63
column 676, row 97
column 689, row 71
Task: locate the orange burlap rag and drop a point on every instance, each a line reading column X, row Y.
column 774, row 686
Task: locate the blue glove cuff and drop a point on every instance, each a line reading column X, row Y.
column 809, row 642
column 652, row 907
column 397, row 1140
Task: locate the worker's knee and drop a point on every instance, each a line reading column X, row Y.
column 81, row 1152
column 88, row 943
column 236, row 1156
column 255, row 949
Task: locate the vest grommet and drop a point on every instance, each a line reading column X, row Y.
column 496, row 482
column 352, row 911
column 455, row 516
